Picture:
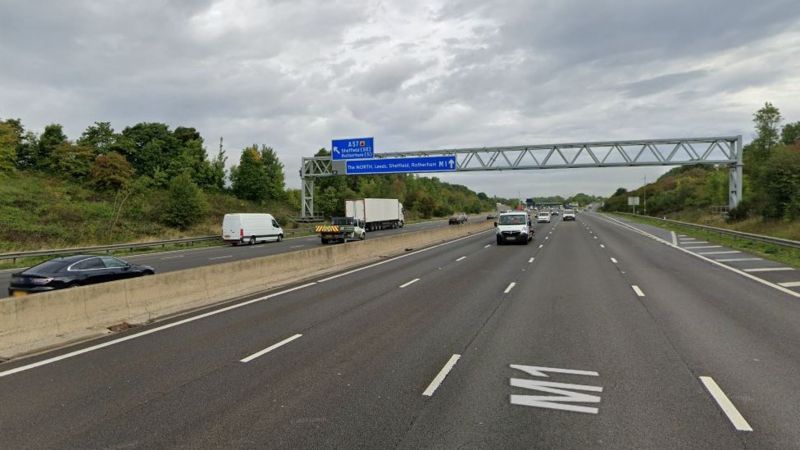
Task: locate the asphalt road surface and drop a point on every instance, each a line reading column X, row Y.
column 596, row 335
column 203, row 256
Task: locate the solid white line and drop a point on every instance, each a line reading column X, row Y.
column 614, row 260
column 409, row 283
column 405, row 255
column 220, row 257
column 726, row 405
column 738, row 259
column 509, row 288
column 694, row 242
column 437, row 380
column 728, row 252
column 688, row 239
column 530, row 260
column 768, row 269
column 703, row 247
column 602, row 246
column 172, row 257
column 270, row 348
column 790, row 284
column 621, row 224
column 150, row 331
column 461, row 259
column 637, row 290
column 674, row 238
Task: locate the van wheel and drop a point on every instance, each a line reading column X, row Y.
column 499, row 240
column 363, row 236
column 280, row 237
column 252, row 240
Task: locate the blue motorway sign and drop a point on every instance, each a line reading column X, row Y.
column 358, row 148
column 402, row 165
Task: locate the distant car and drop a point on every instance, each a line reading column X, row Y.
column 554, row 212
column 543, row 217
column 458, row 219
column 71, row 271
column 569, row 214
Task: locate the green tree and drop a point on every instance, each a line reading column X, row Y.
column 186, row 203
column 274, row 170
column 767, row 121
column 100, row 137
column 248, row 179
column 72, row 161
column 781, row 176
column 111, row 171
column 149, row 147
column 791, row 133
column 10, row 138
column 51, row 138
column 259, row 175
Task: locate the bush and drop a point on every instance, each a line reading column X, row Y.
column 111, row 171
column 186, row 203
column 741, row 212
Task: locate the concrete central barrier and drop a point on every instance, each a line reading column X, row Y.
column 50, row 319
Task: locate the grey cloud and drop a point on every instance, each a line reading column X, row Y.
column 660, row 83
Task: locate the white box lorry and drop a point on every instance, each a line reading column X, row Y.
column 376, row 213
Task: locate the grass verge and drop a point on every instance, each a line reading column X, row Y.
column 785, row 255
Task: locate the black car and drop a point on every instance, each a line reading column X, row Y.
column 71, row 271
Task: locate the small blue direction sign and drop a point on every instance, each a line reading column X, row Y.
column 359, row 148
column 402, row 165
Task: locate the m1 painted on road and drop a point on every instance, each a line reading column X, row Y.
column 358, row 148
column 402, row 165
column 566, row 393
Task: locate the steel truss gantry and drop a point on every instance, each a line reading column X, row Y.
column 723, row 151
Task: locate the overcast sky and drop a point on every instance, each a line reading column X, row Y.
column 426, row 74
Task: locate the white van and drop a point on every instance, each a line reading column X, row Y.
column 250, row 228
column 514, row 227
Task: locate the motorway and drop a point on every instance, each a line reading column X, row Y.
column 597, row 335
column 203, row 256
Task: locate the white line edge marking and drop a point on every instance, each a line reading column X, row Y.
column 150, row 331
column 769, row 269
column 638, row 291
column 790, row 284
column 510, row 287
column 725, row 404
column 703, row 247
column 270, row 348
column 437, row 380
column 172, row 257
column 738, row 259
column 698, row 255
column 530, row 260
column 461, row 259
column 409, row 283
column 222, row 257
column 674, row 238
column 726, row 252
column 614, row 260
